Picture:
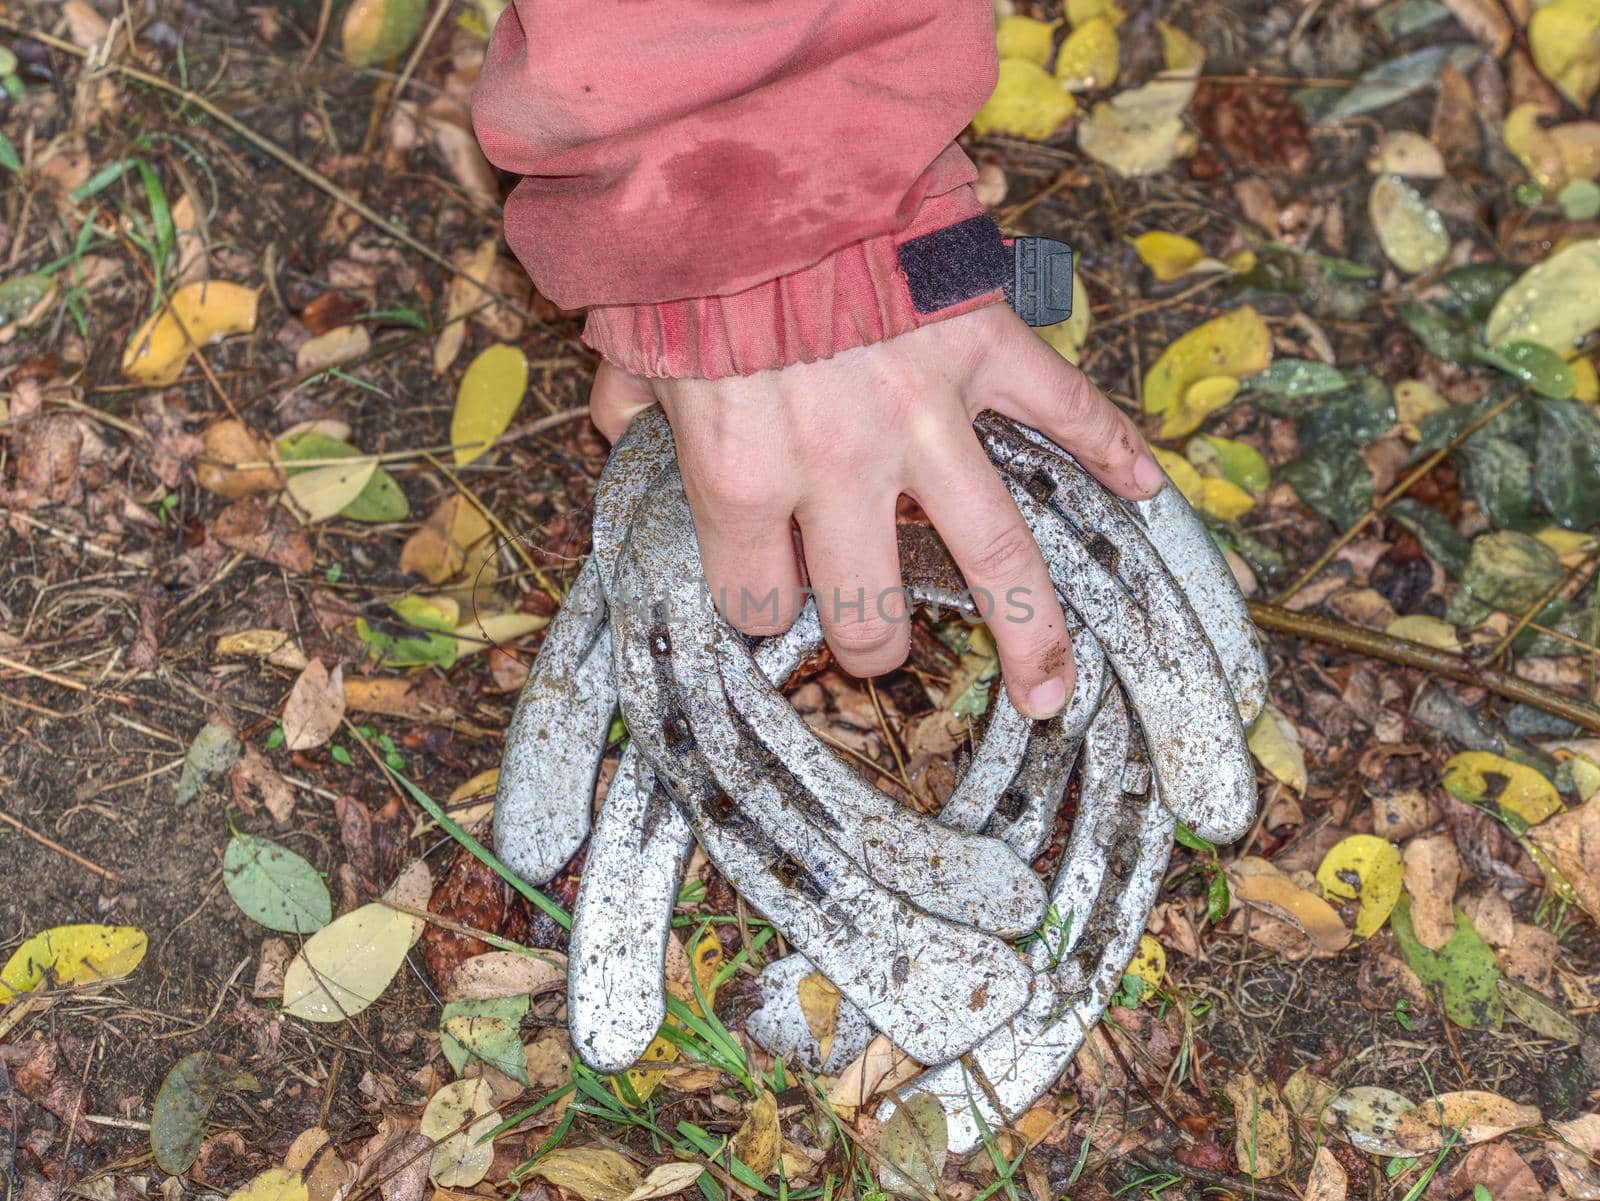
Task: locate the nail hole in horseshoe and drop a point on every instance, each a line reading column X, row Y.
column 1103, row 551
column 660, row 642
column 676, row 731
column 1040, row 486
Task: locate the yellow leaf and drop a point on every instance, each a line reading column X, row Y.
column 1224, row 499
column 819, row 1005
column 1414, row 401
column 1366, row 867
column 1182, row 474
column 757, row 1142
column 1585, row 383
column 1069, row 336
column 1079, row 11
column 1428, row 631
column 1256, row 882
column 1088, row 58
column 1276, row 745
column 1201, row 399
column 456, row 1118
column 1169, row 256
column 1467, row 1117
column 1262, row 1143
column 275, row 1184
column 1533, row 146
column 490, row 392
column 593, row 1173
column 463, row 296
column 1411, row 233
column 1027, row 102
column 347, row 964
column 1234, row 344
column 206, row 309
column 67, row 955
column 1406, row 152
column 320, row 493
column 1149, row 963
column 485, row 630
column 1564, row 36
column 1568, row 544
column 1026, row 39
column 1476, row 776
column 376, row 31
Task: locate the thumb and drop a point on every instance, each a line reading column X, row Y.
column 616, row 399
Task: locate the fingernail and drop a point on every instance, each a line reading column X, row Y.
column 1046, row 699
column 1147, row 474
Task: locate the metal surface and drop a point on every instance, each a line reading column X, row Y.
column 905, row 914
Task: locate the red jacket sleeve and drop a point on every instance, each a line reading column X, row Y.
column 725, row 183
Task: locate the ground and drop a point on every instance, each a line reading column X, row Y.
column 240, row 144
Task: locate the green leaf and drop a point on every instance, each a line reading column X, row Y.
column 1475, row 288
column 1463, row 970
column 274, row 886
column 1540, row 1014
column 1566, row 467
column 1218, row 902
column 1397, row 79
column 1579, row 200
column 380, row 500
column 1541, row 368
column 1351, row 419
column 1498, row 474
column 436, row 646
column 184, row 1103
column 21, row 294
column 212, row 752
column 1297, row 377
column 8, row 155
column 1239, row 462
column 1332, row 481
column 1440, row 540
column 1555, row 302
column 1186, row 837
column 1443, row 335
column 1506, row 570
column 488, row 1030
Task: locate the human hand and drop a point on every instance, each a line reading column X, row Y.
column 831, row 445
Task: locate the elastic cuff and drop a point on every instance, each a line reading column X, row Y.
column 949, row 260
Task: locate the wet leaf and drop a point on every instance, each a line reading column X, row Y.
column 379, row 499
column 1026, row 39
column 1481, row 777
column 1405, row 152
column 1472, row 1116
column 1443, row 543
column 1237, row 462
column 1328, row 1180
column 1367, row 1116
column 184, row 1103
column 1139, row 131
column 274, row 886
column 1332, row 481
column 211, row 753
column 1224, row 500
column 456, row 1118
column 1411, row 233
column 514, row 974
column 1564, row 36
column 275, row 1184
column 376, row 31
column 157, row 352
column 491, row 391
column 1233, row 345
column 1088, row 59
column 1571, row 841
column 1149, row 963
column 1443, row 335
column 1498, row 474
column 1276, row 745
column 1427, row 631
column 1398, row 78
column 321, row 493
column 1463, row 970
column 1432, row 870
column 64, row 956
column 1200, row 400
column 1540, row 1014
column 433, row 644
column 1475, row 288
column 346, row 965
column 488, row 1030
column 1541, row 368
column 1367, row 868
column 1555, row 303
column 1027, row 102
column 1566, row 467
column 1507, row 570
column 593, row 1173
column 819, row 1005
column 1256, row 882
column 758, row 1140
column 1172, row 256
column 915, row 1145
column 1298, row 377
column 25, row 298
column 1349, row 419
column 1262, row 1145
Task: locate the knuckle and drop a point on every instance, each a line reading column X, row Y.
column 1006, row 556
column 869, row 647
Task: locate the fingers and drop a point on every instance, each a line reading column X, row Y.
column 747, row 548
column 616, row 398
column 1027, row 379
column 1004, row 571
column 853, row 562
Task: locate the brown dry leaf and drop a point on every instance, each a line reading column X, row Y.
column 48, row 449
column 465, row 294
column 665, row 1180
column 339, row 345
column 273, row 961
column 263, row 531
column 1484, row 20
column 819, row 1005
column 445, row 121
column 437, row 550
column 277, row 647
column 314, row 708
column 1572, row 841
column 85, row 27
column 758, row 1141
column 1328, row 1180
column 229, row 442
column 253, row 779
column 880, row 1067
column 1432, row 870
column 1477, row 1116
column 415, row 697
column 508, row 974
column 195, row 314
column 1306, row 1093
column 1398, row 815
column 305, row 1146
column 1575, row 1156
column 1499, row 1168
column 1261, row 1142
column 1258, row 883
column 593, row 1173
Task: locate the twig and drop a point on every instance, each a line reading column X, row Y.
column 61, row 850
column 1388, row 498
column 1567, row 585
column 1313, row 627
column 471, row 498
column 51, row 677
column 440, row 8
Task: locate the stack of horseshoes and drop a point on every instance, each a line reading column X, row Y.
column 910, row 917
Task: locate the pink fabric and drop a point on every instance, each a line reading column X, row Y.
column 724, row 181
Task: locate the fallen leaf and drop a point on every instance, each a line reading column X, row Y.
column 184, row 1103
column 880, row 1067
column 274, row 886
column 595, row 1174
column 275, row 1184
column 486, row 1031
column 1027, row 102
column 1258, row 883
column 1576, row 1157
column 1411, row 233
column 1261, row 1139
column 347, row 964
column 263, row 531
column 819, row 1005
column 1432, row 870
column 1498, row 1168
column 1149, row 964
column 1275, row 743
column 465, row 294
column 376, row 31
column 1025, row 38
column 1464, row 970
column 456, row 1118
column 213, row 751
column 1367, row 868
column 321, row 493
column 1474, row 1116
column 1564, row 37
column 194, row 315
column 1328, row 1181
column 1572, row 842
column 1140, row 131
column 914, row 1146
column 253, row 780
column 1368, row 1115
column 1426, row 631
column 1172, row 256
column 508, row 974
column 338, row 345
column 227, row 443
column 1405, row 152
column 666, row 1179
column 277, row 647
column 1233, row 345
column 1088, row 59
column 487, row 399
column 66, row 956
column 314, row 707
column 1555, row 303
column 1480, row 777
column 758, row 1140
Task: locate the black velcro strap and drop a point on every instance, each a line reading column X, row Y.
column 955, row 263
